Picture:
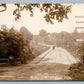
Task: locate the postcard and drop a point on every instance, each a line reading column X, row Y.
column 41, row 42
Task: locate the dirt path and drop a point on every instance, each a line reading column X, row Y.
column 51, row 65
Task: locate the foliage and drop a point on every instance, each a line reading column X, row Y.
column 26, row 34
column 52, row 11
column 77, row 71
column 43, row 33
column 4, row 6
column 13, row 46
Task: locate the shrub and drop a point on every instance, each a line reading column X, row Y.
column 77, row 70
column 13, row 46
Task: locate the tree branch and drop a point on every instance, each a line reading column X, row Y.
column 5, row 7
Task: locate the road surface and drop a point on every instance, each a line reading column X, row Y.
column 51, row 65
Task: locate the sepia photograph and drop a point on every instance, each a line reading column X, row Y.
column 41, row 42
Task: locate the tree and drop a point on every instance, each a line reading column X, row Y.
column 12, row 45
column 43, row 33
column 4, row 6
column 52, row 11
column 26, row 34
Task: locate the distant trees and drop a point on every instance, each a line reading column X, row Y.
column 61, row 39
column 55, row 38
column 26, row 34
column 12, row 45
column 43, row 36
column 43, row 33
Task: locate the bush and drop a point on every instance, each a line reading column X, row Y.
column 13, row 46
column 77, row 70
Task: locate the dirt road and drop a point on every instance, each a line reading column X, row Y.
column 51, row 65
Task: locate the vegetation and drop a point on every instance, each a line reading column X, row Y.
column 17, row 46
column 52, row 11
column 63, row 39
column 13, row 46
column 77, row 70
column 20, row 44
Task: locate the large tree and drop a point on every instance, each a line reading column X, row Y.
column 52, row 11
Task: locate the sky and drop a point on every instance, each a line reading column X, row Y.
column 37, row 22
